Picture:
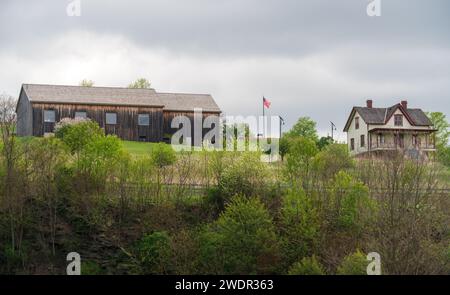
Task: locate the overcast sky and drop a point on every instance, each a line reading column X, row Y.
column 313, row 58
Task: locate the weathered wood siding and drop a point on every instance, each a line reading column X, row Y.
column 24, row 116
column 127, row 127
column 168, row 131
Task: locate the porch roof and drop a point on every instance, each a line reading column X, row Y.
column 401, row 130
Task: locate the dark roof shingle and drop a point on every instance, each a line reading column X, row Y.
column 381, row 115
column 119, row 96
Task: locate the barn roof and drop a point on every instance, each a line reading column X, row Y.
column 118, row 96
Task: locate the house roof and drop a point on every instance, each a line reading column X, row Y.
column 38, row 93
column 380, row 116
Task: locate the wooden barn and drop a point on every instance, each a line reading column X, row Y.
column 131, row 114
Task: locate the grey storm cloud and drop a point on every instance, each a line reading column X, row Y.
column 316, row 58
column 236, row 27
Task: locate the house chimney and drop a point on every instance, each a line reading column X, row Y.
column 404, row 104
column 369, row 103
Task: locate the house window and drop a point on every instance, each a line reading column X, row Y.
column 416, row 140
column 143, row 119
column 49, row 116
column 398, row 120
column 357, row 123
column 111, row 118
column 381, row 138
column 363, row 141
column 352, row 144
column 80, row 115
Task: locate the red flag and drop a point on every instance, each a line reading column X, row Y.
column 266, row 103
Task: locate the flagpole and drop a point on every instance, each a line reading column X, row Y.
column 264, row 119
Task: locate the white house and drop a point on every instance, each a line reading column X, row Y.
column 398, row 127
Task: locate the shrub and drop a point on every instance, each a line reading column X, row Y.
column 91, row 268
column 299, row 161
column 242, row 241
column 307, row 266
column 331, row 160
column 353, row 264
column 99, row 158
column 247, row 176
column 154, row 253
column 350, row 206
column 300, row 225
column 77, row 133
column 162, row 155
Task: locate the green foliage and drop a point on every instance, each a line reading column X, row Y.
column 140, row 83
column 305, row 127
column 154, row 253
column 76, row 134
column 350, row 206
column 441, row 124
column 87, row 83
column 332, row 159
column 242, row 241
column 299, row 160
column 101, row 153
column 354, row 264
column 11, row 260
column 300, row 225
column 323, row 142
column 444, row 156
column 442, row 136
column 91, row 268
column 162, row 155
column 284, row 147
column 307, row 266
column 247, row 176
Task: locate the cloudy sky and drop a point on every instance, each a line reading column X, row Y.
column 313, row 58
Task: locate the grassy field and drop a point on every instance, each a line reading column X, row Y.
column 138, row 148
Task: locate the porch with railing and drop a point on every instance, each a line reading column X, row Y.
column 421, row 140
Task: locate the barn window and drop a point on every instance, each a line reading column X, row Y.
column 80, row 115
column 111, row 118
column 49, row 116
column 398, row 120
column 143, row 119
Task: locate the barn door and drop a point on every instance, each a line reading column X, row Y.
column 143, row 133
column 49, row 120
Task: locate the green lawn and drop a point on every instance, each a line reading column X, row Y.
column 138, row 148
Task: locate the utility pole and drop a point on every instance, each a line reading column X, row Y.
column 333, row 127
column 281, row 123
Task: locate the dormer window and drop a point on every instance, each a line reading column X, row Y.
column 398, row 120
column 357, row 123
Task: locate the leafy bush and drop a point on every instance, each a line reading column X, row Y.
column 162, row 155
column 300, row 225
column 307, row 266
column 91, row 268
column 354, row 264
column 242, row 241
column 247, row 176
column 153, row 252
column 350, row 206
column 299, row 161
column 77, row 133
column 331, row 160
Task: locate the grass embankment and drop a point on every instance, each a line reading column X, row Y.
column 138, row 148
